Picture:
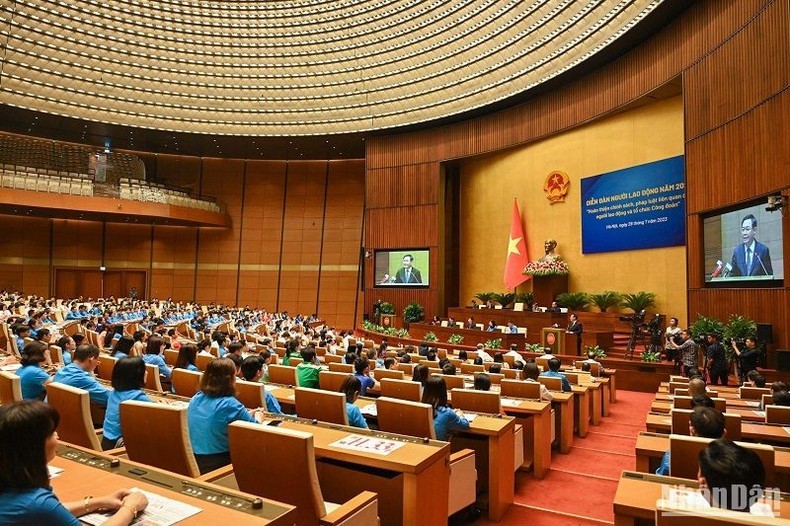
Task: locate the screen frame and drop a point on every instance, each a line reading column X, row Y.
column 736, row 283
column 377, row 251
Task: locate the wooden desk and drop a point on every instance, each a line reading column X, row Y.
column 637, row 495
column 86, row 472
column 535, row 417
column 747, row 414
column 582, row 408
column 563, row 404
column 493, row 440
column 471, row 336
column 412, row 481
column 750, row 431
column 533, row 321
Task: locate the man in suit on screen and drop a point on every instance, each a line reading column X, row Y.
column 750, row 258
column 408, row 274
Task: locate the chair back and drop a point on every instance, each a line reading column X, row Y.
column 331, row 381
column 476, row 401
column 202, row 360
column 678, row 379
column 185, row 383
column 452, row 381
column 753, row 393
column 152, row 380
column 405, row 417
column 511, row 374
column 681, row 424
column 777, row 414
column 251, row 394
column 470, row 368
column 321, row 405
column 407, row 368
column 282, row 374
column 552, row 384
column 55, row 354
column 332, row 358
column 341, row 367
column 397, row 374
column 171, row 356
column 10, row 388
column 264, row 457
column 158, row 435
column 684, row 402
column 573, row 378
column 677, row 385
column 684, row 456
column 520, row 389
column 543, row 363
column 401, row 389
column 106, row 366
column 73, row 405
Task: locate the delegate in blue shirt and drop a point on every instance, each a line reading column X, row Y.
column 272, row 405
column 32, row 378
column 156, row 359
column 445, row 421
column 74, row 376
column 112, row 417
column 34, row 507
column 355, row 417
column 566, row 385
column 663, row 468
column 366, row 382
column 208, row 418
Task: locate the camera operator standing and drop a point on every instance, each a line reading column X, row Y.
column 747, row 357
column 687, row 352
column 716, row 361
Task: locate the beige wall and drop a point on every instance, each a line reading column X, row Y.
column 488, row 185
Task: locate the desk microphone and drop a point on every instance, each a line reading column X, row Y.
column 761, row 263
column 718, row 269
column 727, row 270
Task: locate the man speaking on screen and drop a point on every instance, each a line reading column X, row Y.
column 750, row 258
column 408, row 274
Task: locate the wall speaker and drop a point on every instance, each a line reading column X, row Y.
column 765, row 333
column 783, row 360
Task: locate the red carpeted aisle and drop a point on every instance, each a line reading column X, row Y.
column 580, row 486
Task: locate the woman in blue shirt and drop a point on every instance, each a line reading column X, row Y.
column 128, row 379
column 351, row 387
column 123, row 347
column 186, row 357
column 209, row 413
column 32, row 376
column 67, row 346
column 153, row 355
column 28, row 441
column 445, row 420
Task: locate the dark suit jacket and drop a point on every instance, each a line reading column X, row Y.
column 761, row 254
column 575, row 328
column 415, row 277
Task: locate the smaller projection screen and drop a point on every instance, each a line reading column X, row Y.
column 402, row 268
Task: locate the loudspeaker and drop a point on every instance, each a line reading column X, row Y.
column 783, row 360
column 765, row 333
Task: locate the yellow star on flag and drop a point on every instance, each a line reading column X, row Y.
column 513, row 246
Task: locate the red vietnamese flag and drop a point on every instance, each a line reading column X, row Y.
column 517, row 254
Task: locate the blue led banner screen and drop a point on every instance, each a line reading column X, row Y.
column 639, row 207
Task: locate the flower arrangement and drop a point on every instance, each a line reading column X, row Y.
column 430, row 337
column 389, row 331
column 596, row 351
column 494, row 343
column 651, row 356
column 456, row 339
column 547, row 268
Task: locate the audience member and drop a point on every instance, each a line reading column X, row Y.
column 79, row 374
column 730, row 476
column 32, row 376
column 554, row 372
column 445, row 419
column 128, row 380
column 351, row 387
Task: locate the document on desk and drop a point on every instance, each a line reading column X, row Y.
column 507, row 402
column 367, row 444
column 54, row 472
column 370, row 410
column 11, row 367
column 161, row 511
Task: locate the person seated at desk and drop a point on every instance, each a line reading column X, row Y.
column 449, row 369
column 554, row 372
column 389, row 363
column 531, row 373
column 307, row 372
column 362, row 373
column 782, row 398
column 211, row 410
column 67, row 346
column 705, row 422
column 491, row 327
column 697, row 388
column 511, row 328
column 482, row 382
column 470, row 323
column 481, row 353
column 445, row 419
column 153, row 355
column 128, row 380
column 252, row 371
column 123, row 347
column 79, row 374
column 728, row 473
column 499, row 357
column 554, row 307
column 591, row 359
column 32, row 376
column 187, row 354
column 28, row 441
column 420, row 373
column 547, row 355
column 351, row 387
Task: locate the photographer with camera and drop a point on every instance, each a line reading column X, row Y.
column 687, row 352
column 715, row 361
column 747, row 358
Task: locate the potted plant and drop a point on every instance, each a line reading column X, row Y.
column 494, row 343
column 703, row 326
column 455, row 339
column 386, row 307
column 413, row 313
column 597, row 352
column 573, row 301
column 484, row 297
column 738, row 328
column 527, row 298
column 504, row 299
column 430, row 337
column 651, row 356
column 606, row 299
column 638, row 301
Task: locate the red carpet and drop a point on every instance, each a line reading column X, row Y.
column 580, row 486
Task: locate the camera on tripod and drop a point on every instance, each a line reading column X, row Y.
column 636, row 319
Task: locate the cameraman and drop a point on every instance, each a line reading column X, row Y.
column 747, row 357
column 687, row 352
column 716, row 361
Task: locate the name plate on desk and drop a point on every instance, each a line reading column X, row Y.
column 376, row 445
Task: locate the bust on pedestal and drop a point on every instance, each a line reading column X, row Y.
column 549, row 275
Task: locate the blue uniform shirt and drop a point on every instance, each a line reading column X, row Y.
column 74, row 376
column 355, row 417
column 366, row 382
column 272, row 405
column 566, row 385
column 663, row 468
column 32, row 378
column 445, row 421
column 34, row 507
column 112, row 417
column 208, row 418
column 156, row 359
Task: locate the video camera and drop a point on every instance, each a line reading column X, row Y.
column 637, row 319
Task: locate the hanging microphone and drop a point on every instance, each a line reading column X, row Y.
column 718, row 269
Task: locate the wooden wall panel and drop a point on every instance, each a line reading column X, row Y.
column 173, row 263
column 24, row 254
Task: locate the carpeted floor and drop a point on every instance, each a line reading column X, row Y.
column 580, row 486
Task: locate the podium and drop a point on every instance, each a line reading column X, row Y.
column 573, row 344
column 388, row 320
column 553, row 338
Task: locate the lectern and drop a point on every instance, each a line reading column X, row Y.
column 554, row 339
